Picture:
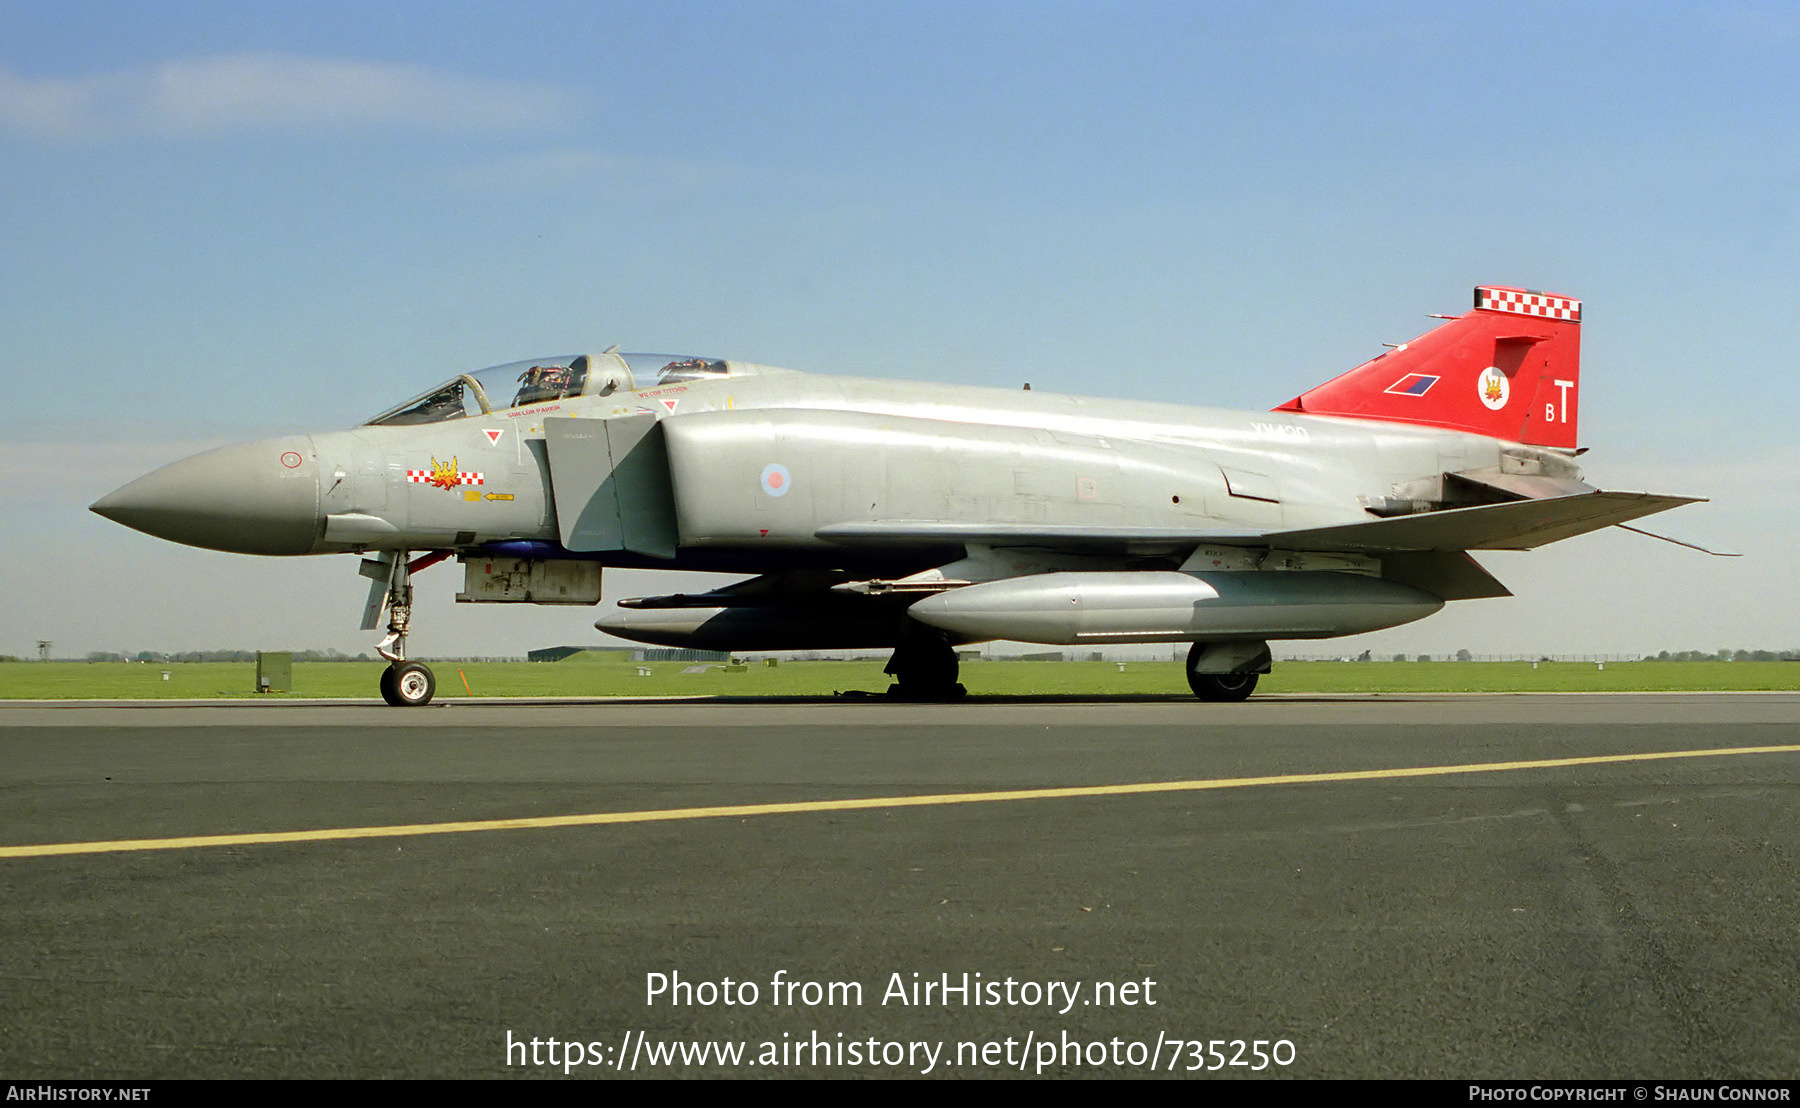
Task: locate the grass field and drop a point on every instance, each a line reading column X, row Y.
column 609, row 675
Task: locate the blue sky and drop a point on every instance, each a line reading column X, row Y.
column 226, row 220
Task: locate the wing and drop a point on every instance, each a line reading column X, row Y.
column 1515, row 525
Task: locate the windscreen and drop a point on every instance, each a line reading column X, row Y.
column 513, row 385
column 546, row 380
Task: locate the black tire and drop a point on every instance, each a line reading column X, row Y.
column 924, row 666
column 408, row 684
column 1222, row 687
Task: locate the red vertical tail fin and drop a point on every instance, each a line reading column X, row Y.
column 1510, row 369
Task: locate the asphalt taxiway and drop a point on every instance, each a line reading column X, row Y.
column 1442, row 886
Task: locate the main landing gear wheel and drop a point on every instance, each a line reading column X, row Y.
column 1222, row 686
column 408, row 684
column 924, row 667
column 1226, row 671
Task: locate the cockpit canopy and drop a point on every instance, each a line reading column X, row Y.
column 545, row 380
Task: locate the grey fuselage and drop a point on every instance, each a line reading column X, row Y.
column 760, row 462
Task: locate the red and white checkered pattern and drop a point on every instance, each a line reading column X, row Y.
column 1522, row 302
column 423, row 477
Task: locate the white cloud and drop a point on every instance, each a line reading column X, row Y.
column 255, row 92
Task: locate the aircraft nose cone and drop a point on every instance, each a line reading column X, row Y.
column 252, row 498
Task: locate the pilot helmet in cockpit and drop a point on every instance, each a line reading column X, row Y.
column 550, row 382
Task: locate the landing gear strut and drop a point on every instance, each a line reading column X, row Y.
column 1226, row 671
column 924, row 666
column 399, row 604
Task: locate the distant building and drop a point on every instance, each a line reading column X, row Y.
column 562, row 653
column 670, row 654
column 553, row 653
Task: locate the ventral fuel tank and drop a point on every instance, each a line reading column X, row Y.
column 1163, row 606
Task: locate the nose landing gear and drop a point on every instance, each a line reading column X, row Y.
column 404, row 684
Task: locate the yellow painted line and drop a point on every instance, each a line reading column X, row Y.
column 741, row 811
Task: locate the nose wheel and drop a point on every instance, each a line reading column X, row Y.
column 408, row 684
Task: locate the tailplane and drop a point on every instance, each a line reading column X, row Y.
column 1509, row 369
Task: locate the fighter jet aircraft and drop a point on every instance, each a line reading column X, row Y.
column 879, row 514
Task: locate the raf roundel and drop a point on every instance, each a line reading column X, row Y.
column 776, row 479
column 1492, row 387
